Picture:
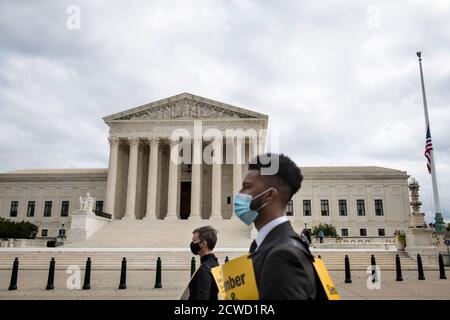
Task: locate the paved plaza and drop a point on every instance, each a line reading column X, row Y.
column 104, row 285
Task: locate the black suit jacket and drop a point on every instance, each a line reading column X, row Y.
column 203, row 286
column 282, row 270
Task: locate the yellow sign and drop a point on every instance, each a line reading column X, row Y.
column 236, row 279
column 218, row 277
column 325, row 279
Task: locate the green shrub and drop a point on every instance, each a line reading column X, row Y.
column 401, row 236
column 328, row 230
column 17, row 230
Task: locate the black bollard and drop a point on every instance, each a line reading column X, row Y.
column 441, row 268
column 87, row 275
column 398, row 268
column 420, row 267
column 51, row 276
column 15, row 271
column 158, row 283
column 123, row 274
column 226, row 259
column 348, row 277
column 373, row 264
column 192, row 266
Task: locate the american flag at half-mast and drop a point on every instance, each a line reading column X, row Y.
column 428, row 148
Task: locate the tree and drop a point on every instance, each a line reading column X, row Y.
column 17, row 230
column 328, row 230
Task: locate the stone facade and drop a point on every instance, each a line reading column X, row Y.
column 44, row 185
column 143, row 180
column 388, row 187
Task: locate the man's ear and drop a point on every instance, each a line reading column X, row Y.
column 272, row 194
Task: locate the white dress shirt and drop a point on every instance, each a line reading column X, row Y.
column 265, row 230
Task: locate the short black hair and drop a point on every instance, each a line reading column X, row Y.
column 208, row 234
column 288, row 177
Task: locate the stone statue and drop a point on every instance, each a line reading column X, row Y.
column 417, row 217
column 193, row 111
column 81, row 203
column 87, row 203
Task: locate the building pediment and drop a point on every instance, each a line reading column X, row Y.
column 185, row 106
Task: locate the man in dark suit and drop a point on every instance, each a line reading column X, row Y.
column 281, row 258
column 203, row 285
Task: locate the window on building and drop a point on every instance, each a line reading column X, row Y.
column 306, row 207
column 99, row 206
column 30, row 209
column 360, row 209
column 379, row 207
column 14, row 208
column 362, row 232
column 47, row 209
column 324, row 208
column 44, row 233
column 342, row 207
column 344, row 232
column 290, row 208
column 65, row 209
column 381, row 233
column 228, row 200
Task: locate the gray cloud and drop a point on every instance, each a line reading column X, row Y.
column 341, row 86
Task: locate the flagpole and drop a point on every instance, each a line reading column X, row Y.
column 439, row 221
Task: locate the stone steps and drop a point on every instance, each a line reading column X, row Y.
column 163, row 233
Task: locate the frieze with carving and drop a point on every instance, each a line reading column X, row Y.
column 185, row 109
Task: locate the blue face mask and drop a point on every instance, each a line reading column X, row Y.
column 242, row 203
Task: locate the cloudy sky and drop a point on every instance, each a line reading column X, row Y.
column 339, row 82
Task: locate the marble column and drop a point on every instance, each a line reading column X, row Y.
column 237, row 164
column 261, row 140
column 152, row 188
column 132, row 179
column 140, row 201
column 252, row 152
column 252, row 148
column 196, row 181
column 216, row 197
column 111, row 183
column 174, row 176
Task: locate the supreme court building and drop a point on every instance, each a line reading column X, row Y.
column 181, row 159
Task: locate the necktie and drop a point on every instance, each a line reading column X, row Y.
column 253, row 247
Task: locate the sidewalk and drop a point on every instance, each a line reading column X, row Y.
column 31, row 285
